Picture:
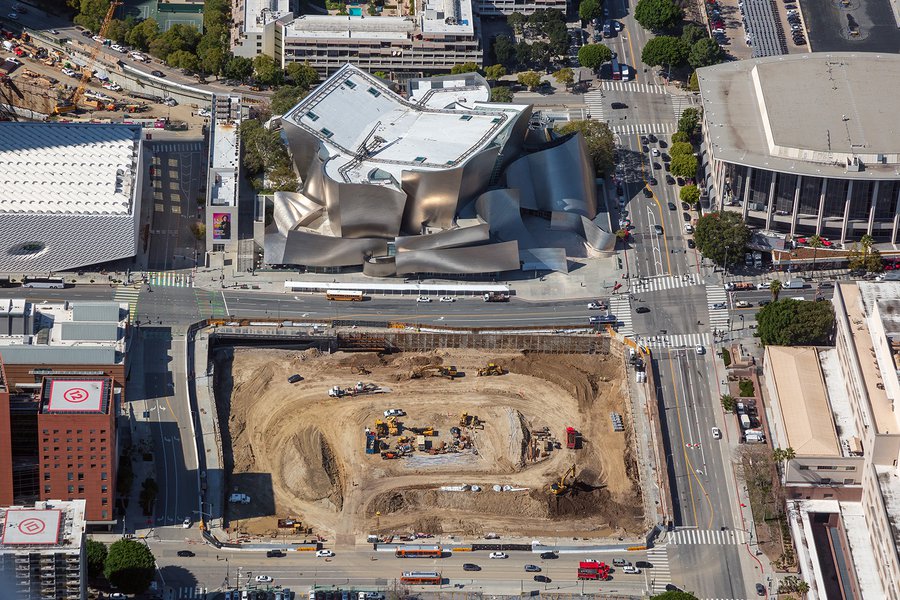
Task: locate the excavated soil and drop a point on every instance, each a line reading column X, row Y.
column 313, row 446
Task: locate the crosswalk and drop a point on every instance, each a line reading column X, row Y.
column 595, row 105
column 718, row 317
column 665, row 282
column 169, row 279
column 681, row 340
column 177, row 147
column 661, row 573
column 130, row 296
column 645, row 128
column 709, row 537
column 620, row 307
column 187, row 593
column 630, row 86
column 679, row 103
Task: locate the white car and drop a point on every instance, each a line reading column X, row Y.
column 53, row 31
column 13, row 16
column 631, row 570
column 423, row 299
column 700, row 350
column 324, row 553
column 13, row 59
column 114, row 87
column 186, row 523
column 596, row 306
column 69, row 72
column 498, row 555
column 394, row 412
column 118, row 48
column 688, row 228
column 170, row 102
column 655, row 152
column 716, row 433
column 99, row 39
column 447, row 299
column 263, row 579
column 203, row 112
column 763, row 286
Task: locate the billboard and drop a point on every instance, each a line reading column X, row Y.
column 221, row 223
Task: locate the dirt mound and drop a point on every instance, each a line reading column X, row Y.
column 411, row 501
column 307, row 468
column 582, row 500
column 580, row 375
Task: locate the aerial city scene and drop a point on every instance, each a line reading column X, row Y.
column 460, row 299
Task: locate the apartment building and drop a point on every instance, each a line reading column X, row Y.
column 42, row 551
column 495, row 8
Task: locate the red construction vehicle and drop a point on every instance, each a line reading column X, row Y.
column 593, row 570
column 573, row 438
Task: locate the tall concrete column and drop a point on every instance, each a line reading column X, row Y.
column 846, row 222
column 821, row 215
column 873, row 208
column 746, row 195
column 771, row 204
column 795, row 214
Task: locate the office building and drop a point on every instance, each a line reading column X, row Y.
column 223, row 178
column 805, row 144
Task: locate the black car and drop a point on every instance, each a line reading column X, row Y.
column 671, row 587
column 617, row 105
column 670, row 180
column 549, row 555
column 157, row 73
column 691, row 243
column 648, row 193
column 87, row 33
column 542, row 578
column 295, row 378
column 665, row 156
column 653, row 139
column 652, row 181
column 645, row 149
column 185, row 553
column 663, row 144
column 672, row 206
column 760, row 589
column 643, row 564
column 764, row 302
column 644, row 140
column 471, row 567
column 274, row 554
column 641, row 310
column 680, row 181
column 657, row 166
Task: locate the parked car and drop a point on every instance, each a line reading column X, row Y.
column 498, row 555
column 324, row 553
column 157, row 73
column 186, row 524
column 185, row 553
column 760, row 589
column 295, row 378
column 263, row 579
column 692, row 243
column 394, row 412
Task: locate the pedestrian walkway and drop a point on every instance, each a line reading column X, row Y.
column 620, row 307
column 682, row 340
column 177, row 593
column 169, row 279
column 679, row 103
column 661, row 573
column 595, row 105
column 177, row 147
column 211, row 304
column 645, row 128
column 665, row 282
column 718, row 317
column 130, row 296
column 630, row 86
column 708, row 537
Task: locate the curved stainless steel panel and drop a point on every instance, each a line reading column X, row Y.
column 544, row 259
column 381, row 266
column 433, row 197
column 360, row 210
column 315, row 250
column 488, row 258
column 557, row 178
column 477, row 174
column 500, row 210
column 597, row 238
column 293, row 209
column 451, row 238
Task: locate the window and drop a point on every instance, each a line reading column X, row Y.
column 312, row 116
column 81, row 477
column 104, row 501
column 826, row 480
column 46, row 476
column 350, row 84
column 46, row 489
column 78, row 431
column 103, row 514
column 80, row 489
column 327, row 132
column 103, row 476
column 466, row 118
column 848, row 482
column 71, row 489
column 826, row 468
column 419, row 159
column 850, row 468
column 70, row 476
column 104, row 488
column 374, row 92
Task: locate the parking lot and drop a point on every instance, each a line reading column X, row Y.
column 831, row 26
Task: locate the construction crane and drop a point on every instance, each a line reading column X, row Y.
column 561, row 487
column 71, row 103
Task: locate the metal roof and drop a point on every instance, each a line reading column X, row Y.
column 96, row 311
column 52, row 355
column 91, row 331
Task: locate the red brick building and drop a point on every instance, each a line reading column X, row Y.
column 6, row 478
column 77, row 443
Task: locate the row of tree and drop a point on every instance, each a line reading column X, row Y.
column 692, row 48
column 127, row 565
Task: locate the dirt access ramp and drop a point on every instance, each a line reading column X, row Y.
column 299, row 453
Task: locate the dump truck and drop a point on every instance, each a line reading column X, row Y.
column 573, row 438
column 496, row 297
column 421, row 443
column 371, row 443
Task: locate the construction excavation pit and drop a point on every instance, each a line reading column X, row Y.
column 444, row 442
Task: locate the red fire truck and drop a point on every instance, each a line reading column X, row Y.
column 593, row 570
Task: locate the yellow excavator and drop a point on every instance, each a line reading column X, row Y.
column 434, row 370
column 561, row 487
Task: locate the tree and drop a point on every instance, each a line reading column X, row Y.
column 599, row 140
column 781, row 455
column 658, row 15
column 129, row 566
column 541, row 54
column 721, row 237
column 690, row 194
column 684, row 165
column 516, row 20
column 704, row 53
column 182, row 59
column 692, row 33
column 680, row 136
column 143, row 34
column 792, row 585
column 591, row 56
column 302, row 74
column 775, row 289
column 501, row 93
column 565, row 76
column 91, row 14
column 505, row 50
column 689, row 121
column 178, row 37
column 590, row 9
column 815, row 242
column 728, row 402
column 382, row 75
column 96, row 558
column 212, row 60
column 372, row 9
column 468, row 67
column 680, row 149
column 532, row 79
column 286, row 97
column 694, row 83
column 673, row 595
column 494, row 72
column 791, row 322
column 524, row 53
column 265, row 70
column 118, row 31
column 664, row 51
column 864, row 257
column 149, row 491
column 238, row 67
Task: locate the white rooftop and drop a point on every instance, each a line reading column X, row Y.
column 448, row 16
column 839, row 401
column 353, row 110
column 68, row 168
column 863, row 554
column 48, row 526
column 257, row 13
column 346, row 27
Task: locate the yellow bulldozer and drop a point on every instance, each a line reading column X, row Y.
column 434, row 371
column 467, row 420
column 381, row 428
column 393, row 426
column 491, row 369
column 560, row 487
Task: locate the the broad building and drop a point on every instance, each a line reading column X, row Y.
column 42, row 551
column 805, row 144
column 70, row 195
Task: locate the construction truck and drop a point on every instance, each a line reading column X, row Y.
column 434, row 370
column 393, row 426
column 560, row 487
column 372, row 443
column 467, row 420
column 491, row 369
column 573, row 438
column 429, row 430
column 381, row 428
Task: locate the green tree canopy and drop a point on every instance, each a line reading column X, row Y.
column 658, row 15
column 468, row 67
column 590, row 9
column 673, row 595
column 212, row 59
column 693, row 83
column 238, row 67
column 680, row 136
column 691, row 33
column 791, row 322
column 143, row 34
column 690, row 194
column 182, row 59
column 680, row 148
column 689, row 122
column 516, row 20
column 664, row 51
column 599, row 139
column 91, row 14
column 501, row 93
column 504, row 50
column 565, row 76
column 302, row 74
column 178, row 37
column 118, row 30
column 864, row 257
column 96, row 558
column 129, row 566
column 265, row 69
column 684, row 165
column 704, row 53
column 286, row 97
column 494, row 72
column 591, row 56
column 524, row 53
column 720, row 235
column 532, row 79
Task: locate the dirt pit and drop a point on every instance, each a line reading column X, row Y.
column 302, row 454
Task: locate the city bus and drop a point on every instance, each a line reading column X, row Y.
column 344, row 295
column 419, row 552
column 421, row 578
column 45, row 282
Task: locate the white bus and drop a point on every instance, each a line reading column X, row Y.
column 45, row 282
